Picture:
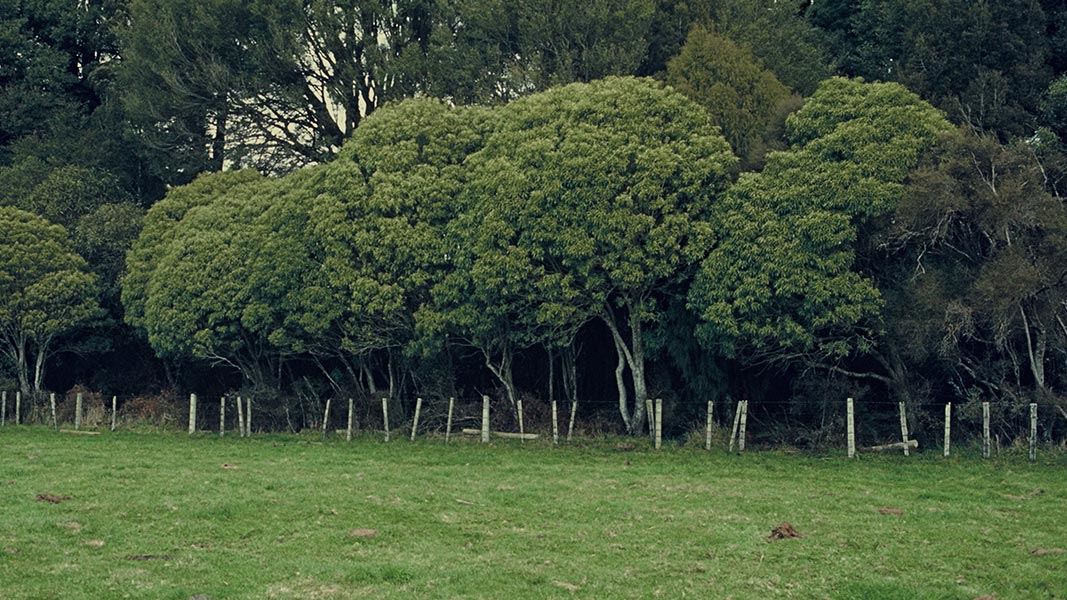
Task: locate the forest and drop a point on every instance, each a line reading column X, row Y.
column 785, row 202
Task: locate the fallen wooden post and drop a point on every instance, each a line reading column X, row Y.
column 503, row 434
column 79, row 432
column 894, row 446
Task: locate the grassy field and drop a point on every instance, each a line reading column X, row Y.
column 155, row 515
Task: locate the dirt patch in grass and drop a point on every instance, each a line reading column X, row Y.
column 1047, row 551
column 362, row 532
column 885, row 510
column 783, row 531
column 143, row 557
column 52, row 498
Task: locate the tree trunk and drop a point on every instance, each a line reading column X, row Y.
column 22, row 366
column 637, row 370
column 218, row 139
column 635, row 358
column 620, row 384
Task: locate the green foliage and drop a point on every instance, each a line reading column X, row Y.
column 981, row 247
column 780, row 277
column 383, row 224
column 160, row 234
column 743, row 98
column 982, row 62
column 46, row 292
column 102, row 238
column 1054, row 108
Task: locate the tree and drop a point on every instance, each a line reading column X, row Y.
column 102, row 238
column 743, row 98
column 976, row 251
column 784, row 277
column 46, row 293
column 51, row 53
column 270, row 85
column 395, row 190
column 160, row 232
column 588, row 197
column 984, row 63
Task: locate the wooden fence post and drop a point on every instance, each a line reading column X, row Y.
column 248, row 416
column 651, row 412
column 851, row 423
column 659, row 422
column 326, row 417
column 3, row 407
column 114, row 411
column 52, row 406
column 707, row 425
column 240, row 418
column 485, row 419
column 948, row 428
column 574, row 413
column 1033, row 431
column 18, row 407
column 78, row 411
column 348, row 431
column 555, row 425
column 744, row 424
column 192, row 414
column 222, row 416
column 903, row 427
column 415, row 421
column 385, row 417
column 985, row 429
column 733, row 430
column 522, row 429
column 448, row 424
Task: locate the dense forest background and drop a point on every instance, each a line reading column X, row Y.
column 788, row 202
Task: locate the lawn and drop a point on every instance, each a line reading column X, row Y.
column 160, row 515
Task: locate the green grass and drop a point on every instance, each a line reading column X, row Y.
column 155, row 515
